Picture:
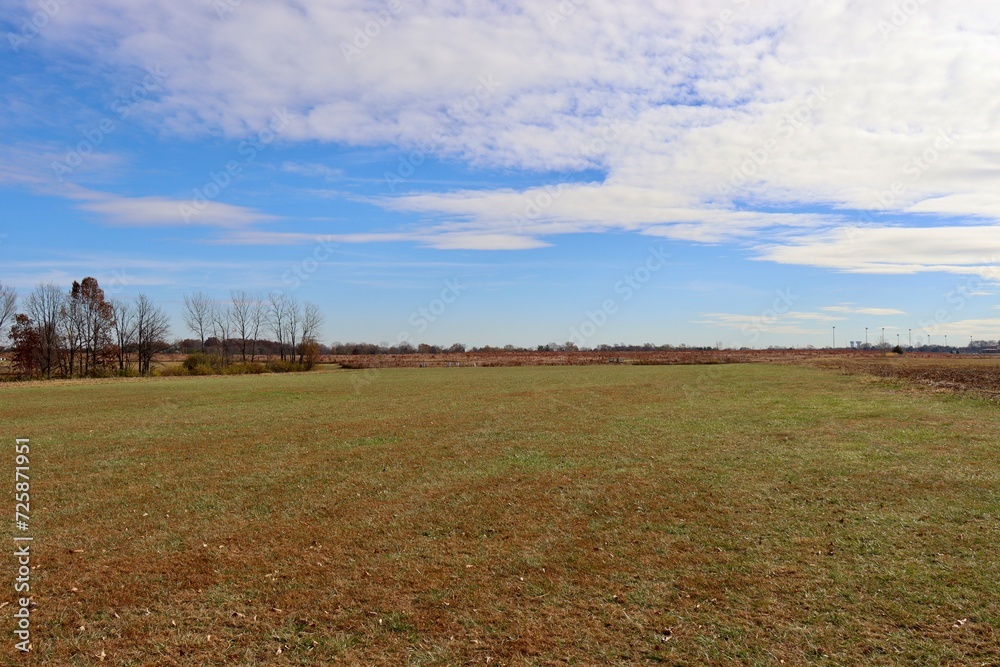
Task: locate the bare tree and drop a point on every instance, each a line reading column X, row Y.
column 8, row 304
column 222, row 327
column 242, row 315
column 312, row 321
column 293, row 320
column 152, row 326
column 258, row 317
column 277, row 307
column 71, row 328
column 125, row 333
column 43, row 306
column 198, row 315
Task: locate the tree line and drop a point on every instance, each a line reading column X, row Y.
column 339, row 348
column 82, row 333
column 238, row 327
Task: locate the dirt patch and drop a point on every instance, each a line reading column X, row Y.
column 962, row 374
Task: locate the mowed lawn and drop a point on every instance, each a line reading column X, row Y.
column 742, row 515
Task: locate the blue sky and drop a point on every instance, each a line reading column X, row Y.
column 504, row 172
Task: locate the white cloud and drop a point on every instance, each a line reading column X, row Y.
column 313, row 170
column 792, row 322
column 707, row 126
column 28, row 166
column 164, row 212
column 848, row 308
column 432, row 239
column 820, row 317
column 895, row 250
column 980, row 329
column 755, row 324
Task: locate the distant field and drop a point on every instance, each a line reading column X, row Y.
column 499, row 357
column 688, row 515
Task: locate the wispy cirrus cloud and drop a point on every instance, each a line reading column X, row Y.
column 958, row 249
column 313, row 170
column 786, row 324
column 166, row 212
column 854, row 310
column 27, row 167
column 431, row 239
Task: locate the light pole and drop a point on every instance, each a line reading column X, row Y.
column 835, row 337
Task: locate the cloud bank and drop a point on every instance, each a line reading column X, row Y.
column 849, row 135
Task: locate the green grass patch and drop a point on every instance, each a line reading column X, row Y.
column 719, row 514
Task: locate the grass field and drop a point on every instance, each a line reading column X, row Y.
column 735, row 514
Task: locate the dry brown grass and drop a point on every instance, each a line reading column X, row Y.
column 532, row 516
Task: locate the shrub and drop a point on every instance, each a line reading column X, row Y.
column 199, row 360
column 310, row 355
column 283, row 366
